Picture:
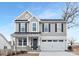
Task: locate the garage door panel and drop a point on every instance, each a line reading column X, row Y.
column 53, row 45
column 43, row 46
column 58, row 46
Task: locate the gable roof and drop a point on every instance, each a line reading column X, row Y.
column 22, row 17
column 4, row 38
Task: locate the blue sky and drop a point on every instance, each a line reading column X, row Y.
column 9, row 11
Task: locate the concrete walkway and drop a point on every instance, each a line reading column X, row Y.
column 56, row 53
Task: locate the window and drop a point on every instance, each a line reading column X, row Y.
column 22, row 27
column 34, row 26
column 24, row 41
column 46, row 27
column 20, row 41
column 49, row 40
column 55, row 27
column 60, row 40
column 54, row 40
column 43, row 40
column 5, row 47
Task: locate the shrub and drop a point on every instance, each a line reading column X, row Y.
column 10, row 53
column 70, row 48
column 18, row 52
column 23, row 51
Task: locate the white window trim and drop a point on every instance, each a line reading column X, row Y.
column 21, row 27
column 22, row 43
column 48, row 27
column 36, row 26
column 59, row 27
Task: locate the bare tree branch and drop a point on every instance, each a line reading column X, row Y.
column 71, row 13
column 72, row 41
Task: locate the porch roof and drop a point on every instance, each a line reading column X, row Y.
column 19, row 34
column 27, row 32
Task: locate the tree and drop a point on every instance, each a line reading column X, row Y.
column 72, row 41
column 70, row 14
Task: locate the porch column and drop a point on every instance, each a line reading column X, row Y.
column 27, row 40
column 13, row 43
column 39, row 41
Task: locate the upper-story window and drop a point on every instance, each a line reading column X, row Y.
column 46, row 27
column 34, row 26
column 58, row 27
column 22, row 27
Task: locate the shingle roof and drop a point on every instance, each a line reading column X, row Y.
column 27, row 32
column 21, row 20
column 45, row 20
column 51, row 19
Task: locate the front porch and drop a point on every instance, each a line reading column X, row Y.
column 32, row 43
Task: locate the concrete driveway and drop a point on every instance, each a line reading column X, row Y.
column 56, row 53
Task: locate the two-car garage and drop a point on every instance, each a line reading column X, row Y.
column 52, row 44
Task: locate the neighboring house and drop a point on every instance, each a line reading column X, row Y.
column 4, row 44
column 32, row 33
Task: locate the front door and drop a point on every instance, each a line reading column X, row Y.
column 35, row 44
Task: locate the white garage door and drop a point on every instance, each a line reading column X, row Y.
column 52, row 45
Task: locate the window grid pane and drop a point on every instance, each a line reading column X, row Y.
column 20, row 41
column 46, row 27
column 34, row 26
column 22, row 28
column 24, row 41
column 49, row 40
column 60, row 40
column 43, row 40
column 54, row 40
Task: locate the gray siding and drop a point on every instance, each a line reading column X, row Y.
column 52, row 30
column 29, row 20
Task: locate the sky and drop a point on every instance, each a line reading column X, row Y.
column 49, row 10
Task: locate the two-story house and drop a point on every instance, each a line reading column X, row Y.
column 32, row 33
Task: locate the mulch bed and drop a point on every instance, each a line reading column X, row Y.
column 27, row 54
column 18, row 53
